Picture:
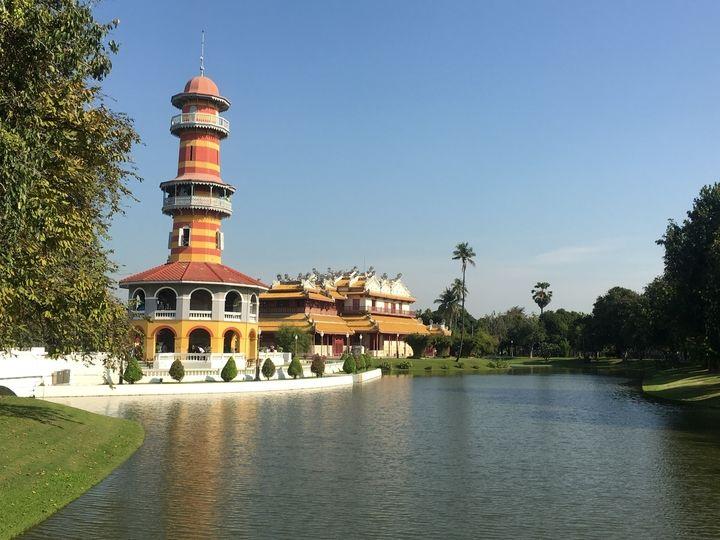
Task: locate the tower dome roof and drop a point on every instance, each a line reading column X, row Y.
column 202, row 85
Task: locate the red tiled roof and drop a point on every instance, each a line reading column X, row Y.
column 193, row 272
column 202, row 85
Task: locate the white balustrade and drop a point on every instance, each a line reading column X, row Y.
column 197, row 314
column 165, row 314
column 199, row 119
column 184, row 201
column 233, row 316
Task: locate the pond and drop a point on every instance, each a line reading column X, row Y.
column 502, row 456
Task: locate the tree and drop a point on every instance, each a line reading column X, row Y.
column 448, row 305
column 418, row 343
column 463, row 253
column 295, row 369
column 692, row 275
column 542, row 295
column 65, row 163
column 229, row 371
column 177, row 370
column 133, row 373
column 619, row 322
column 286, row 335
column 268, row 369
column 349, row 365
column 318, row 365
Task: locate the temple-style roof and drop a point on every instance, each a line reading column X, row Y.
column 330, row 324
column 193, row 272
column 273, row 324
column 297, row 290
column 395, row 325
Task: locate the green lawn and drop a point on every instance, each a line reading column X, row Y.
column 440, row 366
column 50, row 454
column 688, row 385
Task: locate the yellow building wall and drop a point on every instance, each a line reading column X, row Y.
column 248, row 335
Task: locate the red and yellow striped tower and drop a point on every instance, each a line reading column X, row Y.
column 194, row 308
column 197, row 198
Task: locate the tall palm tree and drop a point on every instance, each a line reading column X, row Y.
column 448, row 304
column 542, row 295
column 463, row 253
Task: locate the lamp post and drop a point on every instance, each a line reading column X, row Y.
column 296, row 336
column 347, row 341
column 361, row 344
column 512, row 352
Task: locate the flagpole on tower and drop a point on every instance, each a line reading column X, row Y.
column 202, row 54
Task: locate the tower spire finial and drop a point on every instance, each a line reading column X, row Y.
column 202, row 54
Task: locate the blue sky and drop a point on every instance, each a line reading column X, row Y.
column 557, row 137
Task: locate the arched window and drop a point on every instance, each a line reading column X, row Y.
column 199, row 341
column 200, row 300
column 253, row 305
column 231, row 342
column 233, row 302
column 139, row 300
column 165, row 341
column 166, row 300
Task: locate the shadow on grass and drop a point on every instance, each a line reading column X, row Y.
column 44, row 415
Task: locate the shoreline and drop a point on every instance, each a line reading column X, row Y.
column 53, row 454
column 693, row 386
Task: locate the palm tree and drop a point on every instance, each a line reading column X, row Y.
column 448, row 304
column 463, row 253
column 542, row 295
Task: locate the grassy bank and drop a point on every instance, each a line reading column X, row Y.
column 51, row 454
column 686, row 385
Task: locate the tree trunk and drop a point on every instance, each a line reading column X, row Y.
column 462, row 317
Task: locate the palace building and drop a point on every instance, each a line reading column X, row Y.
column 193, row 307
column 357, row 311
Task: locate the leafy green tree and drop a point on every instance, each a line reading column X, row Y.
column 542, row 295
column 692, row 275
column 318, row 365
column 229, row 371
column 286, row 336
column 133, row 373
column 418, row 343
column 463, row 253
column 295, row 369
column 268, row 369
column 619, row 322
column 65, row 163
column 177, row 370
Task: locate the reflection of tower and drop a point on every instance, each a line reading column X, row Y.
column 193, row 304
column 197, row 198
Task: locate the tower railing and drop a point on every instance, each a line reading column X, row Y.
column 197, row 119
column 185, row 201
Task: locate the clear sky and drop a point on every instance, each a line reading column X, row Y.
column 557, row 137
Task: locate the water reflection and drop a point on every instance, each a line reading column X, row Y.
column 503, row 456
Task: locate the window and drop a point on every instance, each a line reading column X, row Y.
column 356, row 304
column 220, row 240
column 184, row 237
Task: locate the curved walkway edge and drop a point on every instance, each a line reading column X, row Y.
column 243, row 387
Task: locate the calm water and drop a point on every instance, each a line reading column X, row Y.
column 511, row 456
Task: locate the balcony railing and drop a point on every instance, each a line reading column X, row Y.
column 198, row 314
column 137, row 313
column 233, row 316
column 185, row 201
column 165, row 314
column 190, row 120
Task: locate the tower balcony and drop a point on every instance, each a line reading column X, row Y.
column 197, row 202
column 200, row 120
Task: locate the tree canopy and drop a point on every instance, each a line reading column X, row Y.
column 65, row 164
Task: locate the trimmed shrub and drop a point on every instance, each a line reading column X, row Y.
column 133, row 373
column 405, row 364
column 318, row 365
column 229, row 372
column 367, row 360
column 295, row 369
column 385, row 366
column 177, row 370
column 268, row 369
column 349, row 365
